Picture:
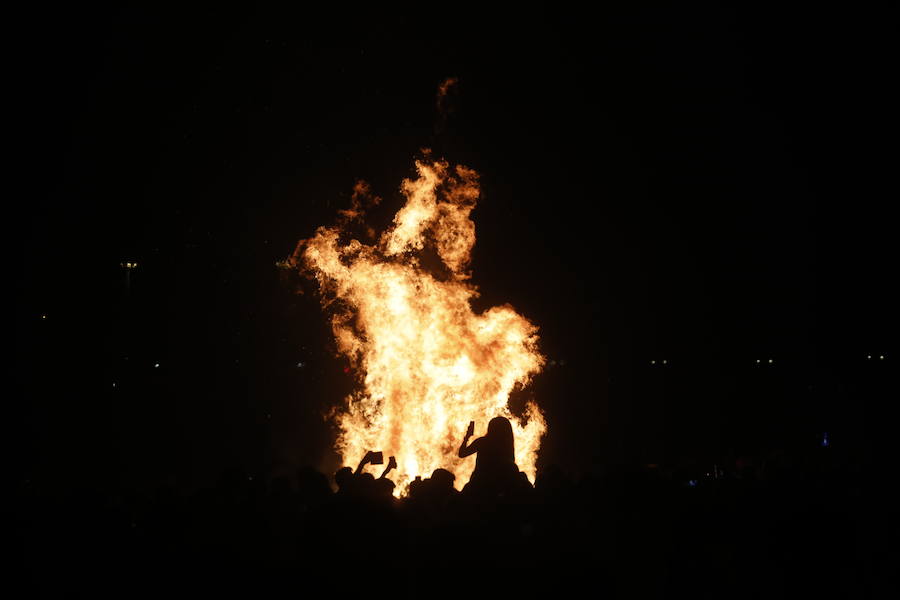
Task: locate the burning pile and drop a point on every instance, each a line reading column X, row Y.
column 426, row 363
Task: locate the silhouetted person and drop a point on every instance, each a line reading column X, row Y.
column 384, row 489
column 415, row 486
column 495, row 465
column 442, row 481
column 344, row 480
column 439, row 489
column 361, row 485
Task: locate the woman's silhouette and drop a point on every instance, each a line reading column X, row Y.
column 495, row 465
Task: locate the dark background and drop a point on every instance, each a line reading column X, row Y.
column 702, row 185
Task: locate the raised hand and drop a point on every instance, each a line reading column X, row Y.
column 362, row 463
column 392, row 464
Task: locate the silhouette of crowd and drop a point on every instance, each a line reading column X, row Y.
column 773, row 527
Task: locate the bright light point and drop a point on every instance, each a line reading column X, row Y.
column 869, row 357
column 43, row 316
column 664, row 362
column 652, row 362
column 771, row 361
column 758, row 361
column 114, row 384
column 300, row 365
column 881, row 357
column 155, row 365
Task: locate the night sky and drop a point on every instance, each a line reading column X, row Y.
column 702, row 185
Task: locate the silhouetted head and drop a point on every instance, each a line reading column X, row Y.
column 442, row 479
column 499, row 426
column 343, row 478
column 500, row 434
column 384, row 488
column 415, row 486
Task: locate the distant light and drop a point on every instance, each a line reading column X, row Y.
column 881, row 357
column 824, row 443
column 758, row 361
column 114, row 384
column 869, row 357
column 771, row 361
column 44, row 317
column 652, row 362
column 692, row 482
column 301, row 364
column 155, row 365
column 664, row 362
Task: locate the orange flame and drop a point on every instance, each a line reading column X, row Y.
column 426, row 362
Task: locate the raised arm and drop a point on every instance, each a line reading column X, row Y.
column 365, row 460
column 392, row 464
column 466, row 449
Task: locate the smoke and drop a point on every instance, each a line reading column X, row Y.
column 446, row 101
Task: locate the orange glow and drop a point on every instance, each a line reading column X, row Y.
column 426, row 364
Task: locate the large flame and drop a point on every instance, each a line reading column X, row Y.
column 427, row 363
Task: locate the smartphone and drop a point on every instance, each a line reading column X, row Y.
column 471, row 429
column 377, row 458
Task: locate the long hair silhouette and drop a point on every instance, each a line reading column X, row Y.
column 495, row 463
column 498, row 442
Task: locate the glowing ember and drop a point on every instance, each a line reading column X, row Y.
column 427, row 364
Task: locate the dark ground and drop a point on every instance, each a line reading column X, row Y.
column 786, row 526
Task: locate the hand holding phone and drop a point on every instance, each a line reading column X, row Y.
column 376, row 458
column 471, row 430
